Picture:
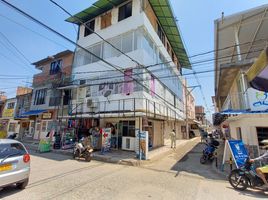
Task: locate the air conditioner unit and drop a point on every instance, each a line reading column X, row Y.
column 128, row 143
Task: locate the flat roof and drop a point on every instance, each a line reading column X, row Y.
column 58, row 55
column 163, row 12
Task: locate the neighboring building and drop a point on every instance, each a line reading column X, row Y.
column 200, row 114
column 147, row 32
column 243, row 110
column 7, row 123
column 3, row 130
column 48, row 102
column 24, row 98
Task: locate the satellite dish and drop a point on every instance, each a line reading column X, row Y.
column 107, row 93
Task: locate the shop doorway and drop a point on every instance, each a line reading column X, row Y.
column 150, row 130
column 262, row 134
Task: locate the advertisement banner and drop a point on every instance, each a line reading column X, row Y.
column 258, row 100
column 238, row 151
column 8, row 113
column 106, row 139
column 141, row 144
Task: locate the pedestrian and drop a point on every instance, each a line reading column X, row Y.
column 173, row 139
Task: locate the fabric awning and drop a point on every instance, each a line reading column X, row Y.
column 258, row 73
column 33, row 112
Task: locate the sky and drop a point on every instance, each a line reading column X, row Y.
column 195, row 19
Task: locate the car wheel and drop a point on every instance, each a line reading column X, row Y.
column 23, row 184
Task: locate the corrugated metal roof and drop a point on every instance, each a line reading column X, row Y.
column 164, row 13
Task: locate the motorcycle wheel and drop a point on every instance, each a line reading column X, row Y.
column 75, row 153
column 237, row 181
column 88, row 157
column 203, row 159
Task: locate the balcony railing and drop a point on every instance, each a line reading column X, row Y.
column 125, row 107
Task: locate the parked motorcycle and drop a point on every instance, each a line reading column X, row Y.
column 245, row 176
column 83, row 149
column 209, row 151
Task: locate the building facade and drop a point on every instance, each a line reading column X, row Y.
column 49, row 104
column 135, row 83
column 242, row 109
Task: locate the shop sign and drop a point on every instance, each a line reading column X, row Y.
column 258, row 100
column 106, row 139
column 238, row 152
column 8, row 113
column 141, row 147
column 47, row 115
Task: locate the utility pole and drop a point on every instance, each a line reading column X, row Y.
column 187, row 93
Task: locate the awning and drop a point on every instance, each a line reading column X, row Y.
column 163, row 12
column 33, row 112
column 258, row 73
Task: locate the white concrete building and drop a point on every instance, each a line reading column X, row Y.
column 143, row 94
column 240, row 55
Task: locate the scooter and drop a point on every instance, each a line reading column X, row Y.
column 245, row 176
column 208, row 152
column 83, row 149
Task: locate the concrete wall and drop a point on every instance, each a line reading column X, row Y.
column 248, row 124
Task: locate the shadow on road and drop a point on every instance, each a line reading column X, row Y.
column 51, row 156
column 252, row 193
column 10, row 190
column 190, row 163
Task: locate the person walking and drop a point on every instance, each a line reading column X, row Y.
column 173, row 139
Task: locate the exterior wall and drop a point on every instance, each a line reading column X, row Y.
column 248, row 124
column 44, row 77
column 23, row 104
column 9, row 113
column 199, row 114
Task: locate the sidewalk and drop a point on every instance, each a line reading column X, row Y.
column 128, row 157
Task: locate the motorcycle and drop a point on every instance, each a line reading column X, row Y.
column 245, row 176
column 83, row 149
column 208, row 152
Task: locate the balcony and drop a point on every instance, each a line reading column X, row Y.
column 124, row 108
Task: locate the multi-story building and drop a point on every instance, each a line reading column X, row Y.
column 24, row 97
column 200, row 114
column 2, row 105
column 243, row 110
column 8, row 124
column 132, row 80
column 49, row 103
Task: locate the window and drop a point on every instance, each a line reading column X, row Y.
column 127, row 42
column 11, row 149
column 125, row 11
column 90, row 28
column 262, row 134
column 55, row 67
column 40, row 97
column 106, row 20
column 11, row 105
column 128, row 128
column 161, row 34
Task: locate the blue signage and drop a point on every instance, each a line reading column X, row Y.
column 239, row 151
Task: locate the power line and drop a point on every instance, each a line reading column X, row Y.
column 69, row 40
column 11, row 44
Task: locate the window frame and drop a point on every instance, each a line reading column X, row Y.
column 40, row 97
column 55, row 66
column 106, row 20
column 124, row 6
column 88, row 32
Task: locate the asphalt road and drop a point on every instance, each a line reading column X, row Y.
column 56, row 176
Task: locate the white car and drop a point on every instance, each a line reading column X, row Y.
column 14, row 164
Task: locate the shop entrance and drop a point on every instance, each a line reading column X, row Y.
column 150, row 130
column 262, row 134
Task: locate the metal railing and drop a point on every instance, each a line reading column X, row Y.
column 131, row 107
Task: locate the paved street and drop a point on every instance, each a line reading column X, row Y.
column 55, row 176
